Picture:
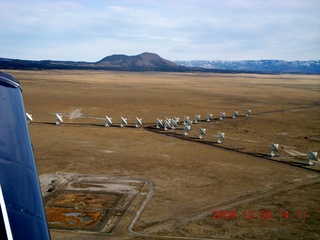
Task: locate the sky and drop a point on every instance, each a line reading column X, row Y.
column 89, row 30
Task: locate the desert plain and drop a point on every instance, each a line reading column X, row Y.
column 179, row 187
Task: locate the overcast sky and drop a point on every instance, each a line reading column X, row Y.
column 81, row 30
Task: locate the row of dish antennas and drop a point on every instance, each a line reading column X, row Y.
column 58, row 118
column 172, row 123
column 312, row 156
column 222, row 115
column 123, row 122
column 187, row 124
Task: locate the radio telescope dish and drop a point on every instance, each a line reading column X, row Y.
column 248, row 113
column 167, row 124
column 273, row 148
column 312, row 156
column 174, row 123
column 138, row 122
column 220, row 137
column 123, row 122
column 176, row 119
column 58, row 119
column 202, row 132
column 186, row 128
column 159, row 123
column 209, row 117
column 187, row 121
column 108, row 121
column 222, row 116
column 197, row 118
column 235, row 114
column 29, row 118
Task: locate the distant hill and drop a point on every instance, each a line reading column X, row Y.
column 142, row 62
column 153, row 62
column 263, row 66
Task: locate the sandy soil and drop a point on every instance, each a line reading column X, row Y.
column 192, row 177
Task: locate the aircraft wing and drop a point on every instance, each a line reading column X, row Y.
column 22, row 214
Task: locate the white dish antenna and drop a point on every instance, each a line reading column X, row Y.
column 186, row 128
column 108, row 121
column 222, row 116
column 202, row 132
column 197, row 118
column 220, row 137
column 138, row 122
column 312, row 156
column 187, row 121
column 29, row 118
column 123, row 121
column 167, row 124
column 248, row 113
column 176, row 119
column 159, row 123
column 58, row 119
column 235, row 114
column 273, row 148
column 174, row 123
column 209, row 117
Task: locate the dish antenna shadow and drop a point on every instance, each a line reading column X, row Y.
column 29, row 118
column 235, row 114
column 58, row 119
column 197, row 118
column 108, row 121
column 202, row 132
column 273, row 148
column 209, row 117
column 220, row 137
column 312, row 156
column 123, row 121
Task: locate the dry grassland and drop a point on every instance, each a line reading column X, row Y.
column 192, row 177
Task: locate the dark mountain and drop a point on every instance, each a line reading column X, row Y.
column 144, row 60
column 262, row 66
column 141, row 62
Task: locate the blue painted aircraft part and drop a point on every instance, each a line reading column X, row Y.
column 18, row 174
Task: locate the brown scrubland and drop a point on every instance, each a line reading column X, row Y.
column 202, row 189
